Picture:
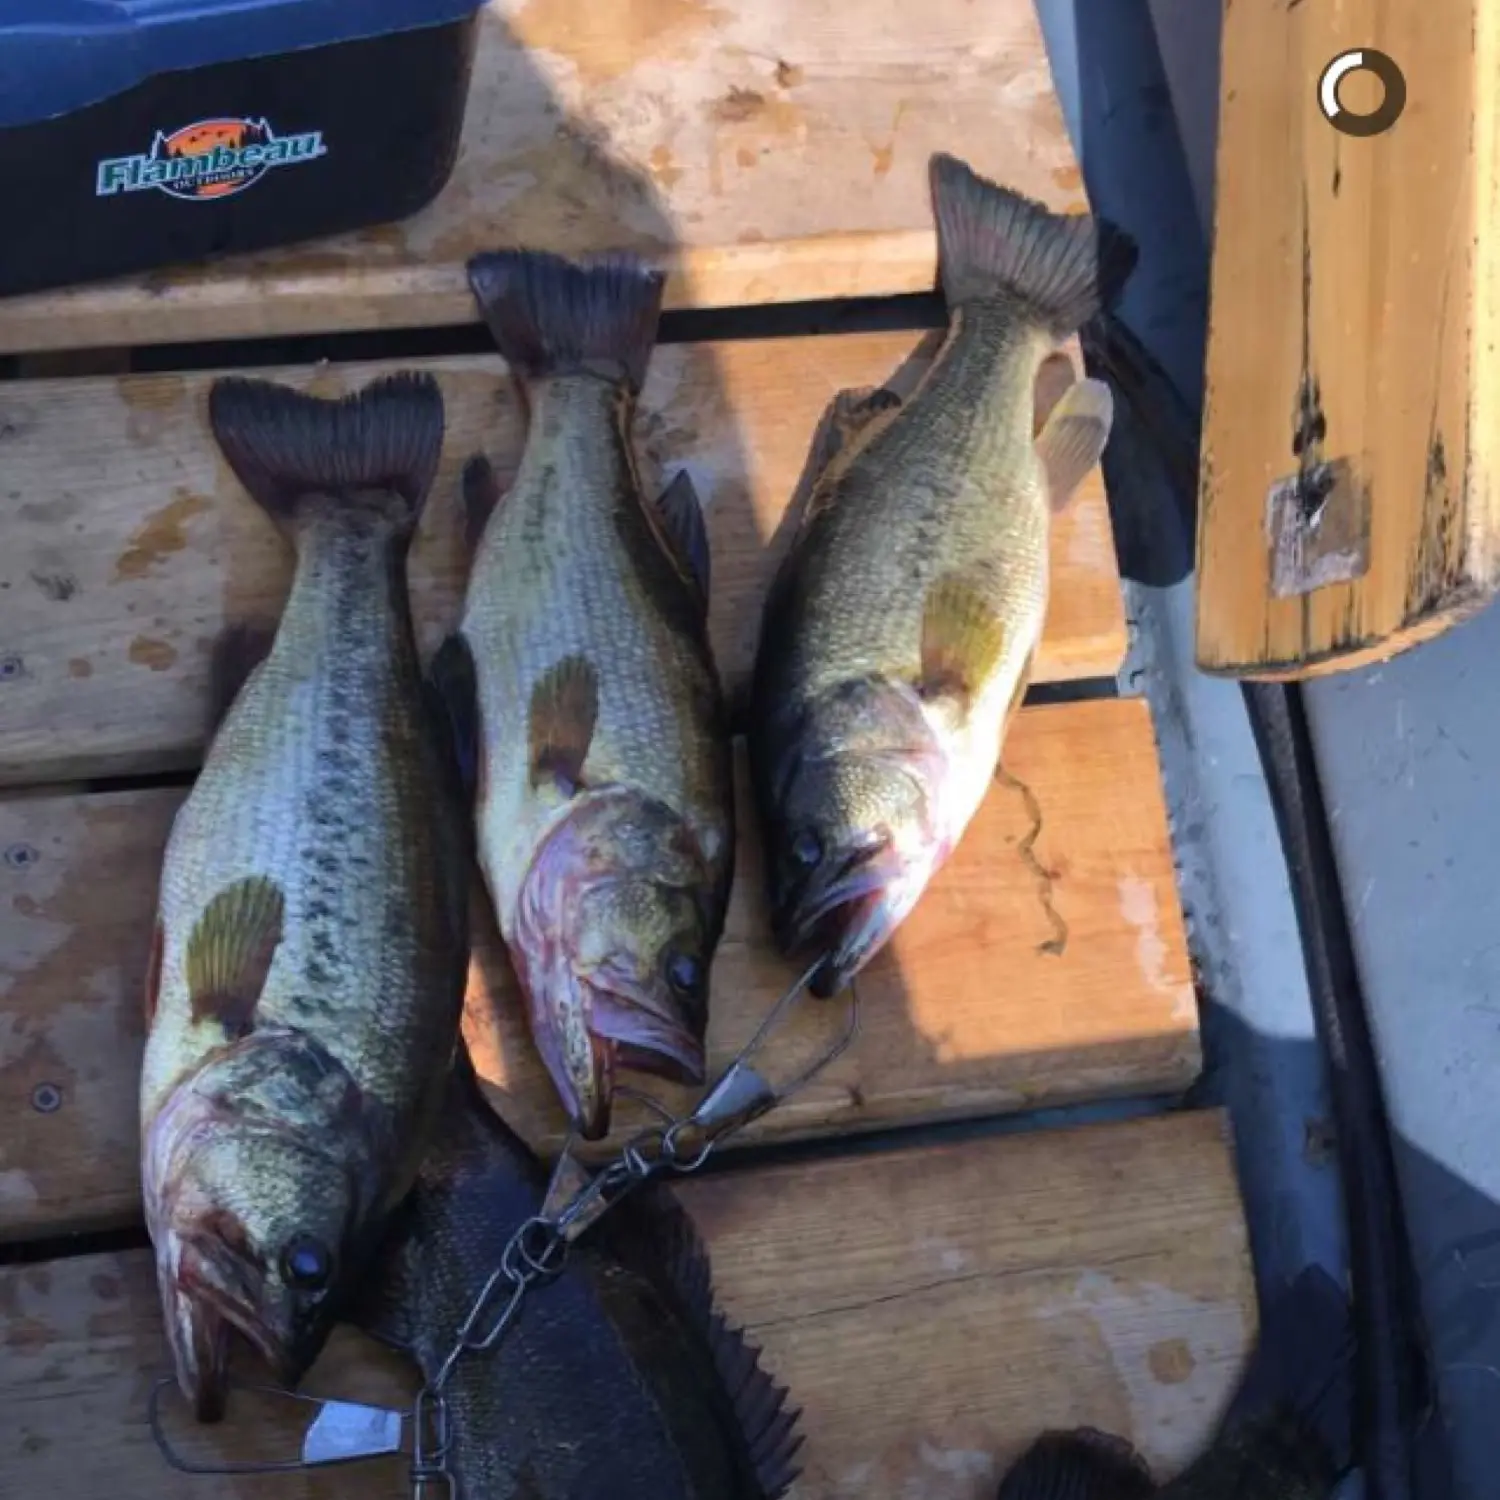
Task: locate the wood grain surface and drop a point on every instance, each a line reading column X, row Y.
column 1352, row 343
column 762, row 150
column 931, row 1309
column 1047, row 963
column 129, row 545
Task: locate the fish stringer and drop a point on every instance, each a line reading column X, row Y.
column 576, row 1199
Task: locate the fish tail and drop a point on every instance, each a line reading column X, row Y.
column 292, row 451
column 551, row 316
column 1084, row 1464
column 995, row 243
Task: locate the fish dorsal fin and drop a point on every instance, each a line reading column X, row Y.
column 1074, row 437
column 1081, row 1465
column 853, row 415
column 230, row 950
column 560, row 729
column 481, row 496
column 963, row 639
column 668, row 1240
column 682, row 515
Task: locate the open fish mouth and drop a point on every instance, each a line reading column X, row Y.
column 587, row 1033
column 848, row 919
column 202, row 1317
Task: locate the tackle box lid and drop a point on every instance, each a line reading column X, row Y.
column 61, row 55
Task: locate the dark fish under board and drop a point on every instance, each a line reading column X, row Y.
column 618, row 1381
column 1287, row 1434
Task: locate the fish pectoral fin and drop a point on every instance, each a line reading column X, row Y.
column 237, row 651
column 454, row 698
column 560, row 728
column 482, row 494
column 963, row 638
column 1074, row 437
column 1084, row 1464
column 230, row 950
column 682, row 515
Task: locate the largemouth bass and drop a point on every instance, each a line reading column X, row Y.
column 581, row 671
column 899, row 633
column 310, row 949
column 618, row 1381
column 1287, row 1435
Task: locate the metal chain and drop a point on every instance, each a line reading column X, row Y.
column 538, row 1250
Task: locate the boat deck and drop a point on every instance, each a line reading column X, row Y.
column 936, row 1280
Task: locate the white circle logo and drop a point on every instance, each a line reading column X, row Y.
column 1392, row 84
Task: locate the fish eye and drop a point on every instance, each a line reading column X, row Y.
column 307, row 1263
column 807, row 849
column 684, row 973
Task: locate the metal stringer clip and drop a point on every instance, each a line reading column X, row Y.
column 576, row 1199
column 342, row 1432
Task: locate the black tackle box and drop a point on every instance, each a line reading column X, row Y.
column 142, row 133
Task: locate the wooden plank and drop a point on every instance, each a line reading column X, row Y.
column 960, row 1299
column 129, row 544
column 973, row 1010
column 760, row 149
column 1353, row 323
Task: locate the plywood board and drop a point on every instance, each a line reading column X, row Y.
column 763, row 150
column 129, row 545
column 1350, row 489
column 959, row 1300
column 1046, row 963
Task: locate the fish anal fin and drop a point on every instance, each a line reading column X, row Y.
column 455, row 691
column 560, row 729
column 1073, row 438
column 1084, row 1464
column 237, row 651
column 230, row 951
column 482, row 496
column 963, row 638
column 681, row 513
